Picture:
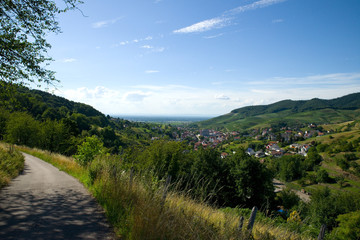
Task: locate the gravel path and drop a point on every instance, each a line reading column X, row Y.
column 45, row 203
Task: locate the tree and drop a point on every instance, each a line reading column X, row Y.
column 22, row 129
column 322, row 176
column 88, row 150
column 253, row 181
column 348, row 226
column 23, row 47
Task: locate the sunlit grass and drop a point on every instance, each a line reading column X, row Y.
column 11, row 163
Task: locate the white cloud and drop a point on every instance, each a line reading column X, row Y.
column 152, row 71
column 203, row 26
column 69, row 60
column 214, row 99
column 135, row 41
column 137, row 96
column 105, row 23
column 124, row 43
column 147, row 46
column 222, row 97
column 224, row 20
column 254, row 6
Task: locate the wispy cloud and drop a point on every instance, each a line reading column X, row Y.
column 214, row 36
column 222, row 97
column 313, row 80
column 204, row 25
column 253, row 6
column 225, row 18
column 134, row 41
column 69, row 60
column 105, row 23
column 277, row 20
column 151, row 71
column 147, row 46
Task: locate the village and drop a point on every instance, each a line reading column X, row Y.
column 277, row 143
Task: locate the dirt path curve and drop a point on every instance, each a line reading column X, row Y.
column 45, row 203
column 279, row 186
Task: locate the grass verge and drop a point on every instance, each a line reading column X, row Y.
column 11, row 164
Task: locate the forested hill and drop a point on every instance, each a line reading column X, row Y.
column 289, row 112
column 39, row 119
column 348, row 102
column 43, row 105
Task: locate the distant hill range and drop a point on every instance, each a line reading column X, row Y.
column 288, row 112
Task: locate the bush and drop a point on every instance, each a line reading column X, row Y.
column 88, row 150
column 349, row 226
column 11, row 164
column 343, row 163
column 288, row 198
column 322, row 176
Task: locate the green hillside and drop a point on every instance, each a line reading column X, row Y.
column 43, row 105
column 289, row 112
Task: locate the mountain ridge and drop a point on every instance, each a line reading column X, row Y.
column 289, row 111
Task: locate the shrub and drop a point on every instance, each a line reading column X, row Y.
column 88, row 150
column 11, row 164
column 348, row 226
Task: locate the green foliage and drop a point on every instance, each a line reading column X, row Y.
column 322, row 176
column 289, row 167
column 253, row 181
column 350, row 156
column 349, row 226
column 24, row 25
column 238, row 180
column 287, row 198
column 343, row 163
column 325, row 206
column 211, row 173
column 22, row 129
column 88, row 150
column 11, row 164
column 313, row 159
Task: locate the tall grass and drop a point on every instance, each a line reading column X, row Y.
column 11, row 164
column 137, row 211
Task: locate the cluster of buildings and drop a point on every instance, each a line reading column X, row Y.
column 212, row 138
column 273, row 149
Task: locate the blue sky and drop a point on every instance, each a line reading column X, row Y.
column 167, row 57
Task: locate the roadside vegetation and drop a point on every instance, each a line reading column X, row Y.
column 135, row 205
column 11, row 164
